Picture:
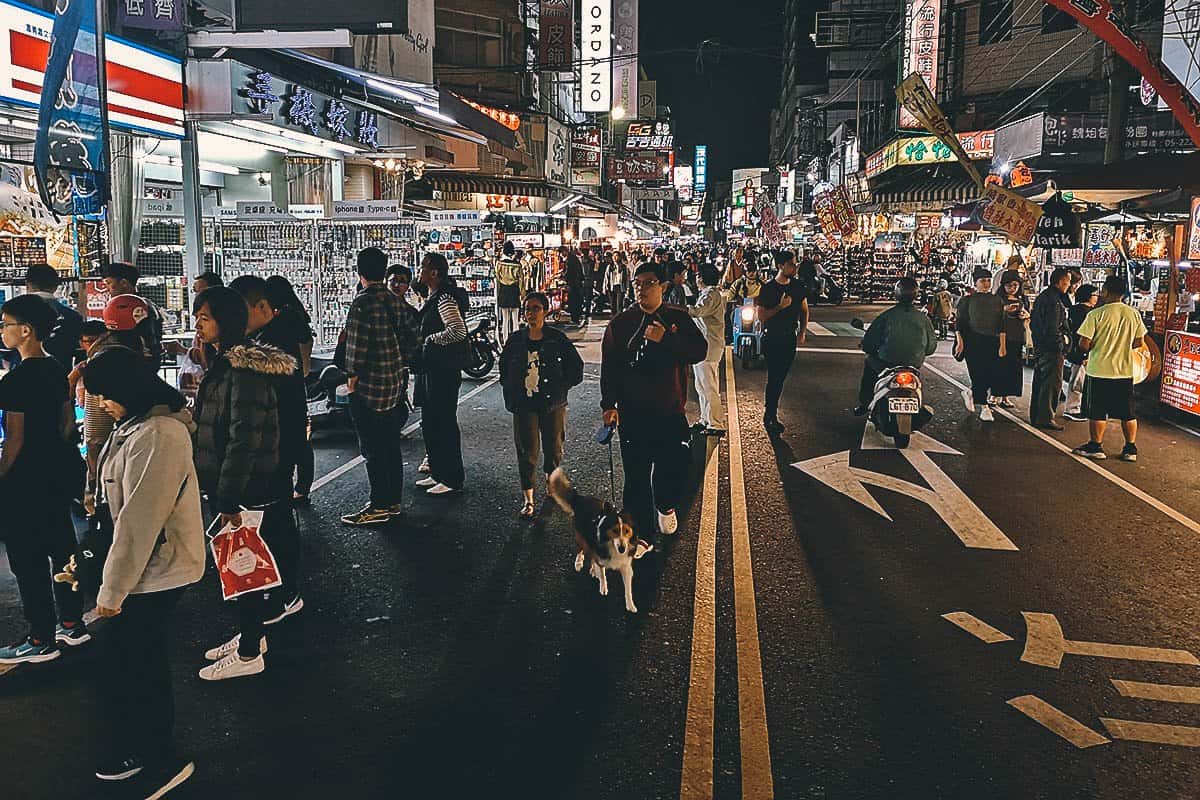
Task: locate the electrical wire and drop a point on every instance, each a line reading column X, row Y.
column 1046, row 85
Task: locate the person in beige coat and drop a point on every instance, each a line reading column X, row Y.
column 148, row 488
column 709, row 313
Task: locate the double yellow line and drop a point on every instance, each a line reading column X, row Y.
column 697, row 779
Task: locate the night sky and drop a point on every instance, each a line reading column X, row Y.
column 727, row 107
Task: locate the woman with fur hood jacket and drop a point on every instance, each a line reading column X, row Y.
column 237, row 455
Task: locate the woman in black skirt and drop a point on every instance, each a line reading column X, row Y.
column 1010, row 373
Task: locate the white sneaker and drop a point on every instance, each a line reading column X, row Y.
column 968, row 400
column 289, row 608
column 986, row 415
column 232, row 666
column 217, row 653
column 424, row 465
column 440, row 488
column 425, row 483
column 668, row 523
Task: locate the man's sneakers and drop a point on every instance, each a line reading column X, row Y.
column 426, row 483
column 668, row 522
column 968, row 401
column 368, row 515
column 441, row 489
column 220, row 651
column 1129, row 453
column 289, row 608
column 1092, row 450
column 29, row 651
column 73, row 636
column 1050, row 426
column 121, row 770
column 1075, row 416
column 233, row 666
column 986, row 415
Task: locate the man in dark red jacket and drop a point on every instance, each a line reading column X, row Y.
column 643, row 388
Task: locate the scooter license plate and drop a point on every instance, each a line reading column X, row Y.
column 903, row 405
column 317, row 407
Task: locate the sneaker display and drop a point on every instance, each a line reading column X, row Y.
column 232, row 666
column 368, row 515
column 1129, row 453
column 289, row 608
column 425, row 483
column 1092, row 450
column 986, row 415
column 169, row 776
column 120, row 770
column 29, row 651
column 968, row 400
column 668, row 522
column 220, row 651
column 77, row 634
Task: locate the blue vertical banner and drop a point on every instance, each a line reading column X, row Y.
column 70, row 153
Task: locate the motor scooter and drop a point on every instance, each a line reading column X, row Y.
column 483, row 349
column 897, row 406
column 326, row 391
column 747, row 333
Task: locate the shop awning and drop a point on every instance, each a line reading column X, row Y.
column 483, row 185
column 927, row 193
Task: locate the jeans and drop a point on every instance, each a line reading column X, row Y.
column 40, row 541
column 379, row 435
column 439, row 423
column 1047, row 385
column 1074, row 388
column 983, row 362
column 135, row 698
column 548, row 426
column 708, row 391
column 780, row 352
column 654, row 453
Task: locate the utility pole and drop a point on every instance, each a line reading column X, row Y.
column 1118, row 99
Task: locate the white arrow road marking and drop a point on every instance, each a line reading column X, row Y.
column 977, row 627
column 874, row 440
column 1056, row 721
column 1045, row 646
column 965, row 519
column 1158, row 691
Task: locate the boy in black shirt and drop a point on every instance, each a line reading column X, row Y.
column 34, row 483
column 783, row 308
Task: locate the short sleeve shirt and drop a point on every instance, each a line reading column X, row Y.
column 37, row 388
column 1112, row 328
column 786, row 322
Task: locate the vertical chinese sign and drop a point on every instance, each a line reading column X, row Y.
column 625, row 60
column 556, row 36
column 922, row 27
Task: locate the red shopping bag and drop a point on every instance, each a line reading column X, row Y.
column 244, row 561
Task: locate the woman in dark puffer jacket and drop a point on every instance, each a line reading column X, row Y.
column 237, row 454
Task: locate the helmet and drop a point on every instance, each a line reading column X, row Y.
column 124, row 312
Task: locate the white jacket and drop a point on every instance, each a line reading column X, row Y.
column 149, row 482
column 709, row 312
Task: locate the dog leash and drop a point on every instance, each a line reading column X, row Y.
column 612, row 480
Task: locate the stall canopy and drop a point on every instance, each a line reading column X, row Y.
column 925, row 189
column 1110, row 185
column 492, row 186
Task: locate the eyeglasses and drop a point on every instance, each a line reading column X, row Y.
column 646, row 284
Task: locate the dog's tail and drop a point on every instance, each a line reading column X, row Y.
column 560, row 488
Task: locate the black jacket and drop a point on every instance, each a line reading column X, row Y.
column 643, row 377
column 1048, row 322
column 1075, row 318
column 561, row 368
column 237, row 427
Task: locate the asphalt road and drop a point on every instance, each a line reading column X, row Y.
column 804, row 653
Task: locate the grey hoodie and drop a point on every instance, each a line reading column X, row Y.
column 149, row 482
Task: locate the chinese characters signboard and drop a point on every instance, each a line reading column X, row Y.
column 834, row 211
column 625, row 61
column 700, row 185
column 298, row 107
column 1181, row 372
column 637, row 168
column 585, row 156
column 558, row 151
column 929, row 150
column 158, row 15
column 556, row 35
column 1011, row 213
column 922, row 25
column 1082, row 133
column 650, row 136
column 1098, row 248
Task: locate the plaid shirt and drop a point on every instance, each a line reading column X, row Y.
column 381, row 339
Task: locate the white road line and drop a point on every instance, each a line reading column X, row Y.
column 1148, row 499
column 839, row 350
column 1166, row 693
column 1183, row 428
column 1152, row 732
column 1056, row 721
column 977, row 627
column 329, row 477
column 697, row 779
column 757, row 782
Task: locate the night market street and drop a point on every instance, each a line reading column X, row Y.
column 861, row 646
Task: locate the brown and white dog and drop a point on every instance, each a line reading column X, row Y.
column 603, row 534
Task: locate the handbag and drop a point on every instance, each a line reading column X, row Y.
column 243, row 558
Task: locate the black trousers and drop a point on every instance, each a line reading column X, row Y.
column 654, row 453
column 983, row 363
column 780, row 352
column 872, row 369
column 575, row 303
column 1047, row 387
column 306, row 469
column 379, row 434
column 439, row 423
column 135, row 697
column 40, row 541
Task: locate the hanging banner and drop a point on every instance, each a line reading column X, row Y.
column 700, row 170
column 1011, row 213
column 1058, row 227
column 1194, row 238
column 771, row 230
column 70, row 147
column 558, row 152
column 1098, row 248
column 595, row 45
column 834, row 211
column 556, row 35
column 922, row 28
column 915, row 96
column 625, row 59
column 1099, row 17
